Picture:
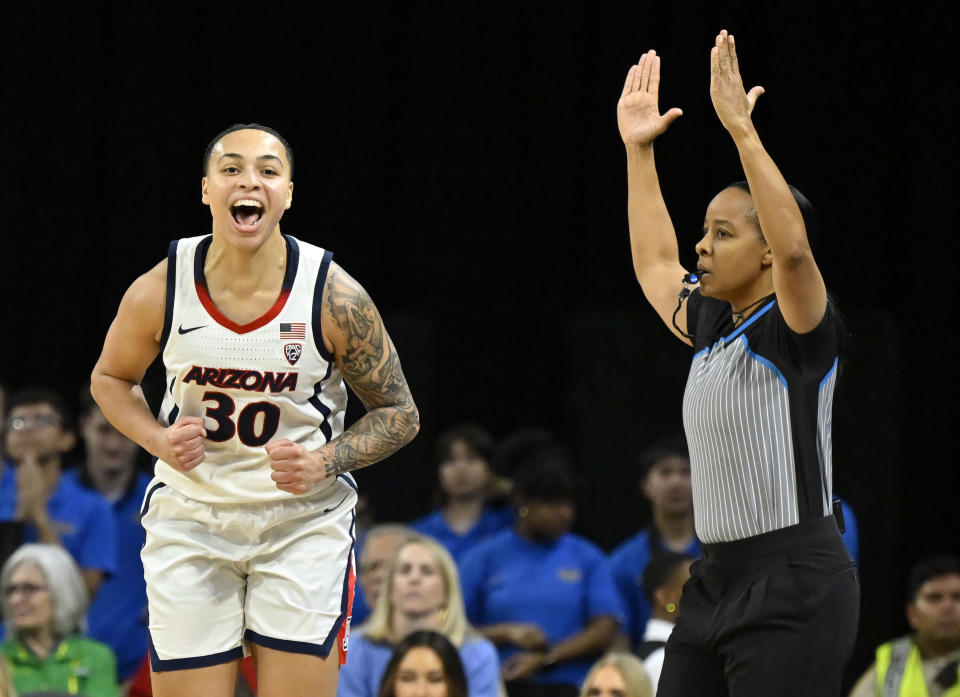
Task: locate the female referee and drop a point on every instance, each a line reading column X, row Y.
column 772, row 608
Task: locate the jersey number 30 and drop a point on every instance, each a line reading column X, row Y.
column 246, row 426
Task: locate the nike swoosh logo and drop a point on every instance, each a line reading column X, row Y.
column 333, row 508
column 181, row 330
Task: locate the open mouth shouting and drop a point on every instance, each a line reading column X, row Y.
column 247, row 214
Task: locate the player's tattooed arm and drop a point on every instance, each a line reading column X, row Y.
column 370, row 365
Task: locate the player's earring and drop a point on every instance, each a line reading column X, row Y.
column 442, row 615
column 523, row 511
column 671, row 607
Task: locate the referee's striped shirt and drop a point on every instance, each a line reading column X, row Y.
column 757, row 414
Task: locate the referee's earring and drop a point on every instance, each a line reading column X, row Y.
column 523, row 511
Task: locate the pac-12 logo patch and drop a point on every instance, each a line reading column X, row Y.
column 292, row 352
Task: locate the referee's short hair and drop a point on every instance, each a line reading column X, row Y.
column 927, row 568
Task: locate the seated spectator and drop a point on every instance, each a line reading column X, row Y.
column 379, row 545
column 664, row 478
column 11, row 531
column 924, row 663
column 44, row 603
column 543, row 595
column 421, row 590
column 663, row 582
column 424, row 664
column 55, row 510
column 465, row 482
column 617, row 675
column 118, row 612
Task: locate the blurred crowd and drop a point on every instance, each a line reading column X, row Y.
column 489, row 594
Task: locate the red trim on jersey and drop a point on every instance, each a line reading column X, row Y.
column 225, row 321
column 343, row 636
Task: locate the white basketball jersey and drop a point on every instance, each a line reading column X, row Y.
column 269, row 379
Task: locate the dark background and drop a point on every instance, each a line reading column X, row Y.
column 463, row 162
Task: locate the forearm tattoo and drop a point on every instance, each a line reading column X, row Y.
column 371, row 367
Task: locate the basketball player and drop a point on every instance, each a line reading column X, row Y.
column 249, row 519
column 772, row 608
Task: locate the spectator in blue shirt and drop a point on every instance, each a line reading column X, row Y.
column 664, row 474
column 118, row 614
column 542, row 594
column 466, row 481
column 11, row 531
column 37, row 434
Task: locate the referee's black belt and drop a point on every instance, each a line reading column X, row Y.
column 810, row 532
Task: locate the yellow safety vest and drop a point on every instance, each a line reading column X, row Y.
column 899, row 671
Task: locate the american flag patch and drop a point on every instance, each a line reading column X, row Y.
column 293, row 330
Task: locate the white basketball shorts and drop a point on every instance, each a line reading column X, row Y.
column 279, row 574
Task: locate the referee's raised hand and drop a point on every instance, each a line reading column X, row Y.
column 638, row 111
column 732, row 103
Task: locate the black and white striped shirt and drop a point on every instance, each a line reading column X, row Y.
column 757, row 414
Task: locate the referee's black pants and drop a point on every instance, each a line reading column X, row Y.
column 774, row 614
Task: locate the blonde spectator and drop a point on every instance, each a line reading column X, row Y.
column 378, row 547
column 617, row 675
column 421, row 591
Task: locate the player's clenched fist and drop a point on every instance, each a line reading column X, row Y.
column 184, row 443
column 295, row 469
